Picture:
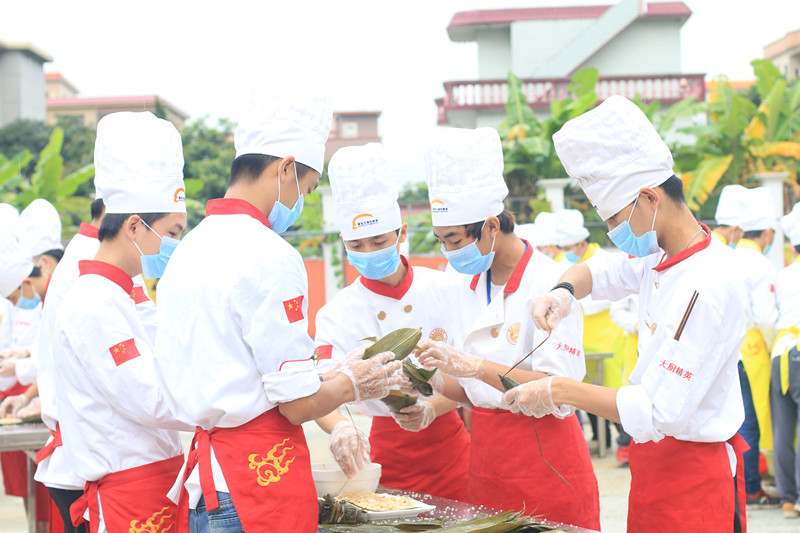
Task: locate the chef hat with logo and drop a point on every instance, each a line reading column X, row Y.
column 364, row 192
column 138, row 161
column 790, row 224
column 8, row 217
column 730, row 205
column 38, row 227
column 545, row 224
column 290, row 115
column 613, row 151
column 758, row 210
column 15, row 263
column 465, row 176
column 569, row 227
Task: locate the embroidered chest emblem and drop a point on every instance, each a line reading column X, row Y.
column 157, row 523
column 512, row 334
column 275, row 464
column 438, row 334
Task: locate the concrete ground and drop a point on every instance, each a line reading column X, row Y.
column 614, row 482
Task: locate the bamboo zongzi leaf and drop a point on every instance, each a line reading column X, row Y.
column 508, row 383
column 401, row 342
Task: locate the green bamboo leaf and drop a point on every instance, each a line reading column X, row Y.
column 508, row 383
column 401, row 342
column 397, row 400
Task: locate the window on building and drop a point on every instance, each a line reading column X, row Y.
column 349, row 130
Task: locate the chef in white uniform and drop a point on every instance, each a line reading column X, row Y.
column 233, row 344
column 426, row 447
column 8, row 217
column 730, row 209
column 117, row 430
column 683, row 400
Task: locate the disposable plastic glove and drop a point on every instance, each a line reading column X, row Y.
column 349, row 447
column 415, row 417
column 535, row 398
column 34, row 408
column 373, row 378
column 436, row 382
column 548, row 310
column 16, row 353
column 12, row 404
column 8, row 367
column 436, row 354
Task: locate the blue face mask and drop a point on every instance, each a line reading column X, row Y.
column 571, row 256
column 29, row 303
column 377, row 264
column 732, row 245
column 469, row 260
column 281, row 217
column 623, row 238
column 153, row 266
column 767, row 249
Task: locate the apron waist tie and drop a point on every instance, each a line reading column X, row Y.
column 51, row 445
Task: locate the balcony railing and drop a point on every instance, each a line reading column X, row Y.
column 487, row 95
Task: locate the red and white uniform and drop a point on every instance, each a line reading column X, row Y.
column 117, row 430
column 506, row 469
column 233, row 344
column 369, row 308
column 683, row 401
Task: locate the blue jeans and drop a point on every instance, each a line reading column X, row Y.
column 751, row 434
column 785, row 418
column 223, row 519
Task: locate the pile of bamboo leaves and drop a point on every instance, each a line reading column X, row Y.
column 508, row 522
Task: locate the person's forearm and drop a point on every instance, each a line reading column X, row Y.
column 329, row 421
column 600, row 401
column 454, row 391
column 32, row 392
column 331, row 394
column 492, row 372
column 581, row 278
column 443, row 405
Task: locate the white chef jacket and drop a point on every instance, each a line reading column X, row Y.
column 502, row 330
column 687, row 389
column 787, row 294
column 233, row 336
column 112, row 411
column 757, row 277
column 369, row 308
column 625, row 313
column 6, row 332
column 592, row 306
column 24, row 332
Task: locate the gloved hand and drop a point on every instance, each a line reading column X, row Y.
column 373, row 378
column 11, row 405
column 8, row 367
column 15, row 353
column 34, row 408
column 436, row 382
column 415, row 417
column 349, row 447
column 436, row 354
column 535, row 398
column 548, row 310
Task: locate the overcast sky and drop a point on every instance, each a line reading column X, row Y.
column 386, row 56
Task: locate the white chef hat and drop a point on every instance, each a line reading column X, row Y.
column 138, row 161
column 730, row 205
column 38, row 227
column 569, row 227
column 15, row 263
column 613, row 151
column 287, row 116
column 790, row 224
column 464, row 170
column 8, row 217
column 545, row 224
column 758, row 210
column 364, row 192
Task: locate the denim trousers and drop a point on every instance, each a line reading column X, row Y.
column 785, row 418
column 223, row 519
column 751, row 434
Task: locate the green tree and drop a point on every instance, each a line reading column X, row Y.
column 21, row 135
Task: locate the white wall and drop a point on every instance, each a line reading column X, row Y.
column 534, row 41
column 494, row 53
column 22, row 92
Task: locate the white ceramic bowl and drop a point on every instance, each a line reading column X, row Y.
column 329, row 479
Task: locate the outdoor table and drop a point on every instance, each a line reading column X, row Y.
column 598, row 380
column 456, row 509
column 26, row 438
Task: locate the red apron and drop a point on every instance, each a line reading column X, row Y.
column 680, row 485
column 133, row 500
column 507, row 471
column 432, row 461
column 267, row 468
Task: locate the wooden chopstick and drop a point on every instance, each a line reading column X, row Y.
column 686, row 316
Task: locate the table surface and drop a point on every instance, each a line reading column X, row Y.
column 24, row 437
column 457, row 510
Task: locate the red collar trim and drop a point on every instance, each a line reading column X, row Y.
column 108, row 271
column 87, row 230
column 675, row 259
column 235, row 206
column 516, row 277
column 383, row 289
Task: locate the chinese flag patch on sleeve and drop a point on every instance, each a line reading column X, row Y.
column 294, row 309
column 124, row 352
column 323, row 351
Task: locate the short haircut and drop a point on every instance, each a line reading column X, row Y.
column 112, row 223
column 754, row 234
column 797, row 248
column 673, row 187
column 97, row 208
column 248, row 167
column 36, row 272
column 507, row 221
column 55, row 253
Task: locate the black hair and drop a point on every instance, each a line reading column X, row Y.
column 36, row 272
column 673, row 187
column 248, row 167
column 112, row 223
column 55, row 253
column 507, row 221
column 755, row 234
column 797, row 248
column 97, row 208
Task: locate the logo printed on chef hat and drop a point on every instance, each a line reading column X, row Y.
column 139, row 164
column 613, row 151
column 464, row 171
column 360, row 176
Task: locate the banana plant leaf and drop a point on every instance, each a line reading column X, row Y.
column 419, row 377
column 400, row 342
column 398, row 400
column 507, row 382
